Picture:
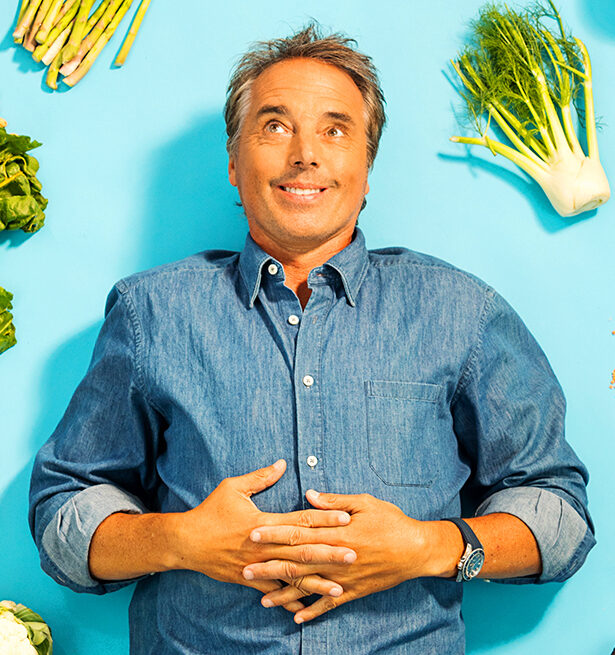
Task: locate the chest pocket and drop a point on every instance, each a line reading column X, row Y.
column 403, row 433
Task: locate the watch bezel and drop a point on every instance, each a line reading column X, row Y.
column 472, row 563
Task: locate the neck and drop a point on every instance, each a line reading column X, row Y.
column 298, row 259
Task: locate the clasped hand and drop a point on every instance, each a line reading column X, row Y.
column 347, row 547
column 390, row 548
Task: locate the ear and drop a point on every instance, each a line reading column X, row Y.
column 366, row 188
column 232, row 174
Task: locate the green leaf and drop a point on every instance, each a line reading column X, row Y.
column 7, row 329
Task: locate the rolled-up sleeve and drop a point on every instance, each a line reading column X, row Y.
column 100, row 459
column 508, row 413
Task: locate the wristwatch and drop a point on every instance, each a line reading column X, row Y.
column 473, row 557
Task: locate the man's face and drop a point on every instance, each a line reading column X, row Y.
column 301, row 163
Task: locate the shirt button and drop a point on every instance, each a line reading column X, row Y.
column 273, row 269
column 312, row 460
column 293, row 319
column 308, row 380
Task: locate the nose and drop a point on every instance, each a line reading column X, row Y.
column 303, row 151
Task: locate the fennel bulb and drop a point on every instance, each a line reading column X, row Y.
column 525, row 78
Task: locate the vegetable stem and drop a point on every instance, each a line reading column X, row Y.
column 70, row 49
column 132, row 33
column 521, row 161
column 27, row 18
column 89, row 59
column 588, row 94
column 110, row 9
column 49, row 21
column 59, row 27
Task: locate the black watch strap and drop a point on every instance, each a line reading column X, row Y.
column 468, row 534
column 473, row 557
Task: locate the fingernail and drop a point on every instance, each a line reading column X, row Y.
column 248, row 575
column 344, row 518
column 255, row 536
column 336, row 591
column 349, row 558
column 313, row 494
column 298, row 619
column 266, row 602
column 279, row 464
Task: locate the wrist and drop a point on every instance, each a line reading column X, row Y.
column 445, row 546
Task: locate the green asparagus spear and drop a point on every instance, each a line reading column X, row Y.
column 76, row 36
column 26, row 20
column 132, row 33
column 92, row 37
column 49, row 21
column 89, row 59
column 59, row 27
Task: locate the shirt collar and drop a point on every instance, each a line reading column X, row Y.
column 350, row 263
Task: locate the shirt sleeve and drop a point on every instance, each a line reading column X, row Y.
column 100, row 459
column 508, row 414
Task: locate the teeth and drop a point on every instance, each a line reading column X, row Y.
column 301, row 192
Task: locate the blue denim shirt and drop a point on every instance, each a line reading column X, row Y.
column 404, row 377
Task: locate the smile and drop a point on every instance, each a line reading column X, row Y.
column 301, row 191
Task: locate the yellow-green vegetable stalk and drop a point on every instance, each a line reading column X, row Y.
column 525, row 77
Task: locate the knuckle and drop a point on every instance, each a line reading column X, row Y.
column 306, row 555
column 290, row 571
column 329, row 603
column 298, row 584
column 306, row 519
column 294, row 537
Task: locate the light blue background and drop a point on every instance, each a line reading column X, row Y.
column 134, row 166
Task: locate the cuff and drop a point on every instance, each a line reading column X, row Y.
column 66, row 539
column 563, row 537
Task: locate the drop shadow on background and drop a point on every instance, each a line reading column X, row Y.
column 188, row 206
column 550, row 220
column 21, row 56
column 496, row 614
column 600, row 15
column 21, row 577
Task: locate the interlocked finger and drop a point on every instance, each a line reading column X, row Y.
column 310, row 518
column 291, row 603
column 298, row 576
column 316, row 554
column 284, row 596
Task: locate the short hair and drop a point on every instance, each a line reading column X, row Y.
column 335, row 49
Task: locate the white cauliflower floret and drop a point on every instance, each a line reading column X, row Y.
column 14, row 636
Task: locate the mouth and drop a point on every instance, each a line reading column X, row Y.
column 301, row 192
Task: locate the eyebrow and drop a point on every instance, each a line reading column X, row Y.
column 282, row 110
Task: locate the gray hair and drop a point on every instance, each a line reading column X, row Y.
column 334, row 49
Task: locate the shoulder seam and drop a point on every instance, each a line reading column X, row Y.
column 481, row 284
column 134, row 281
column 473, row 356
column 137, row 331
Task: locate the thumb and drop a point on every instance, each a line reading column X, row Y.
column 255, row 481
column 346, row 502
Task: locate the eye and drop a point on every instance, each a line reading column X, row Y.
column 335, row 131
column 274, row 127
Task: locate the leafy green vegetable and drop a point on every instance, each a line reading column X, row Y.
column 7, row 329
column 21, row 201
column 524, row 72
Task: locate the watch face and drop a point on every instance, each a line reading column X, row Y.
column 473, row 564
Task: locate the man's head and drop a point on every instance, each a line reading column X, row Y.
column 334, row 49
column 304, row 116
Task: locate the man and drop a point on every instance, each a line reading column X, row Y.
column 389, row 380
